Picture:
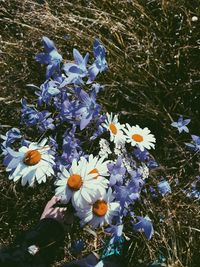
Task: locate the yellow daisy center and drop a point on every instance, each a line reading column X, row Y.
column 94, row 171
column 75, row 182
column 113, row 128
column 100, row 208
column 137, row 138
column 32, row 157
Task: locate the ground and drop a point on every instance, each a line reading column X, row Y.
column 152, row 52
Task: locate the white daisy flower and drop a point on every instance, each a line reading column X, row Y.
column 101, row 211
column 115, row 128
column 98, row 167
column 30, row 163
column 140, row 137
column 78, row 185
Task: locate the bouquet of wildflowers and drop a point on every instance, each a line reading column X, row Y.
column 99, row 165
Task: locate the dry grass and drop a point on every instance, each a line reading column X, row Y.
column 153, row 77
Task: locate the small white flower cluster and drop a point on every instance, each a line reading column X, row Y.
column 144, row 170
column 85, row 184
column 120, row 133
column 127, row 162
column 104, row 148
column 119, row 149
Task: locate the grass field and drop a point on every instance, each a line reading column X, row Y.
column 153, row 78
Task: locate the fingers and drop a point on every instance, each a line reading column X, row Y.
column 57, row 213
column 52, row 201
column 53, row 212
column 57, row 209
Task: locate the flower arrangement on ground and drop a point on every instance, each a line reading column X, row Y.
column 102, row 183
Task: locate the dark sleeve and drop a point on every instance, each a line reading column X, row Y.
column 35, row 248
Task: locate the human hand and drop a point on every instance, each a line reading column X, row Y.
column 50, row 211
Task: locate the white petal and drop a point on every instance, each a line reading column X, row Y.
column 28, row 178
column 61, row 182
column 16, row 178
column 59, row 190
column 40, row 175
column 26, row 169
column 86, row 195
column 13, row 153
column 16, row 171
column 114, row 208
column 95, row 221
column 23, row 149
column 68, row 194
column 13, row 163
column 74, row 167
column 77, row 200
column 43, row 142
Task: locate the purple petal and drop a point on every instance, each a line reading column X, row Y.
column 186, row 122
column 84, row 122
column 48, row 44
column 77, row 57
column 174, row 124
column 93, row 71
column 42, row 58
column 86, row 58
column 195, row 138
column 75, row 69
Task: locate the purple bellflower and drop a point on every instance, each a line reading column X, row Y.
column 100, row 63
column 152, row 164
column 164, row 187
column 48, row 90
column 50, row 57
column 73, row 78
column 53, row 144
column 69, row 110
column 136, row 180
column 88, row 108
column 60, row 99
column 116, row 231
column 144, row 224
column 25, row 142
column 99, row 128
column 126, row 195
column 71, row 147
column 45, row 121
column 196, row 143
column 11, row 136
column 195, row 190
column 78, row 70
column 117, row 172
column 97, row 87
column 141, row 155
column 181, row 124
column 32, row 117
